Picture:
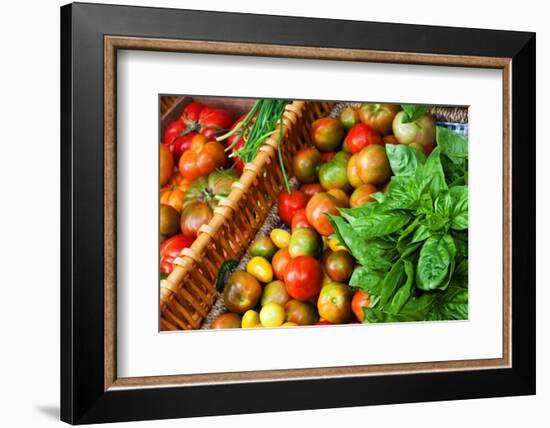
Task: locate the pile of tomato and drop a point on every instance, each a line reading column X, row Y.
column 299, row 274
column 195, row 173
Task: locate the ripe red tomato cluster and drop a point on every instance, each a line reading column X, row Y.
column 190, row 184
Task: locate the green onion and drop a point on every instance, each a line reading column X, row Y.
column 258, row 125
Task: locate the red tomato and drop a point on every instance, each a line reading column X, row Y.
column 316, row 210
column 311, row 189
column 193, row 215
column 181, row 144
column 303, row 277
column 191, row 112
column 289, row 203
column 360, row 136
column 202, row 158
column 195, row 118
column 280, row 262
column 360, row 300
column 323, row 322
column 299, row 220
column 210, row 121
column 171, row 249
column 173, row 130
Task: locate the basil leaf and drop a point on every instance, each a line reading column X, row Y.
column 370, row 253
column 414, row 112
column 431, row 176
column 392, row 281
column 443, row 204
column 364, row 210
column 425, row 205
column 461, row 242
column 459, row 211
column 380, row 224
column 402, row 295
column 405, row 244
column 436, row 222
column 460, row 277
column 452, row 304
column 416, row 309
column 407, row 249
column 378, row 196
column 404, row 159
column 421, row 234
column 377, row 255
column 453, row 173
column 452, row 145
column 433, row 264
column 367, row 280
column 403, row 193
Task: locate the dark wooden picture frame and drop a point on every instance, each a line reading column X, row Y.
column 90, row 37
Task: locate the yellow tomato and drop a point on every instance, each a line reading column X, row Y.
column 335, row 245
column 280, row 237
column 251, row 319
column 272, row 315
column 334, row 303
column 260, row 269
column 289, row 324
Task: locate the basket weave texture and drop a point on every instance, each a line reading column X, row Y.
column 188, row 293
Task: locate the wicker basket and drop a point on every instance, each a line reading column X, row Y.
column 188, row 293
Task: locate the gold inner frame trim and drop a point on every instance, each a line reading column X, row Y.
column 113, row 43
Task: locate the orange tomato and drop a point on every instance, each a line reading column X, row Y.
column 280, row 262
column 362, row 195
column 173, row 193
column 359, row 301
column 317, row 208
column 202, row 158
column 353, row 173
column 166, row 164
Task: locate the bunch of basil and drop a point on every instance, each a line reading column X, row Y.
column 412, row 242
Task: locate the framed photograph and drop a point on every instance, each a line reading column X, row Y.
column 273, row 213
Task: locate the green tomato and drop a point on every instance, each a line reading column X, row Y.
column 305, row 242
column 333, row 174
column 349, row 117
column 263, row 247
column 275, row 292
column 305, row 164
column 421, row 131
column 327, row 134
